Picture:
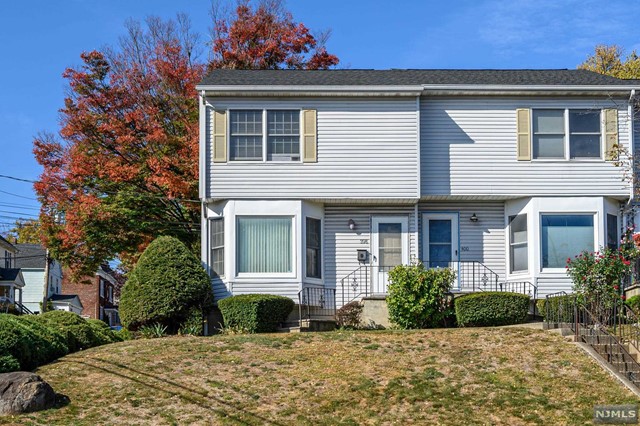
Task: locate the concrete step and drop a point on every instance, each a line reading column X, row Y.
column 296, row 329
column 626, row 367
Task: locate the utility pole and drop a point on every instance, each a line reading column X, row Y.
column 45, row 296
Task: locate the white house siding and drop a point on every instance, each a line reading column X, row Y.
column 469, row 148
column 341, row 243
column 367, row 149
column 33, row 290
column 553, row 283
column 482, row 241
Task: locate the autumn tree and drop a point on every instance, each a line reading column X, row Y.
column 123, row 169
column 265, row 36
column 610, row 60
column 25, row 231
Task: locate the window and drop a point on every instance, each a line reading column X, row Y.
column 550, row 128
column 283, row 138
column 217, row 247
column 246, row 135
column 7, row 259
column 101, row 290
column 612, row 231
column 584, row 134
column 565, row 236
column 264, row 244
column 111, row 294
column 519, row 251
column 314, row 263
column 548, row 133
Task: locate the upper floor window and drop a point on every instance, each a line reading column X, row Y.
column 7, row 259
column 557, row 132
column 248, row 137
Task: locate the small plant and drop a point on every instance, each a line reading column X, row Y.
column 350, row 315
column 153, row 331
column 190, row 330
column 231, row 330
column 418, row 297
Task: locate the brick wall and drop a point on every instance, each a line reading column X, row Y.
column 87, row 290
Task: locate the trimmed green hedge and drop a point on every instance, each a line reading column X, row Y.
column 26, row 344
column 634, row 303
column 103, row 332
column 491, row 308
column 76, row 330
column 255, row 313
column 558, row 308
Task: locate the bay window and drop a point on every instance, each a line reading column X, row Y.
column 314, row 263
column 264, row 244
column 217, row 246
column 518, row 243
column 564, row 236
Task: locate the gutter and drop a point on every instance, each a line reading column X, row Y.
column 630, row 111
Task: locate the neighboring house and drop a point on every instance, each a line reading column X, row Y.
column 31, row 259
column 96, row 294
column 11, row 278
column 329, row 178
column 66, row 302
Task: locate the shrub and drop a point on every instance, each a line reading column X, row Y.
column 634, row 303
column 166, row 283
column 558, row 308
column 193, row 325
column 255, row 313
column 491, row 308
column 103, row 332
column 418, row 296
column 124, row 334
column 76, row 330
column 25, row 344
column 350, row 315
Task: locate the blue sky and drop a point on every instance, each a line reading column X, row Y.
column 40, row 38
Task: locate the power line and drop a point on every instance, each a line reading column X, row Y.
column 18, row 179
column 20, row 196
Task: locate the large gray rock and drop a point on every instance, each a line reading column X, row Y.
column 23, row 392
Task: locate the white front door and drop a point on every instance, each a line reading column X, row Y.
column 440, row 240
column 389, row 248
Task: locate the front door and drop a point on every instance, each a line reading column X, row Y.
column 389, row 248
column 440, row 240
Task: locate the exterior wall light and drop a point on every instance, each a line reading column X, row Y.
column 473, row 218
column 352, row 224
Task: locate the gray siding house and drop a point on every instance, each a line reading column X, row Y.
column 326, row 179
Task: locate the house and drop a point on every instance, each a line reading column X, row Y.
column 96, row 294
column 31, row 259
column 11, row 278
column 324, row 180
column 66, row 302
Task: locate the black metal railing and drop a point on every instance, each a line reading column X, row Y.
column 317, row 303
column 522, row 287
column 365, row 281
column 471, row 275
column 23, row 310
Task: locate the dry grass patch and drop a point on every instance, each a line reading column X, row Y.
column 508, row 376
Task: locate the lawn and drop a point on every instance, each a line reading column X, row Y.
column 505, row 376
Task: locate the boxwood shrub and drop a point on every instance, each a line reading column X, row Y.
column 25, row 344
column 491, row 308
column 255, row 313
column 76, row 330
column 103, row 332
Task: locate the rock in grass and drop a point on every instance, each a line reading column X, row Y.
column 24, row 392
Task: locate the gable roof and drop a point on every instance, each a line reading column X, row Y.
column 66, row 298
column 30, row 256
column 5, row 243
column 9, row 274
column 411, row 77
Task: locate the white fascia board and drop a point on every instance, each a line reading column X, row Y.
column 523, row 88
column 279, row 89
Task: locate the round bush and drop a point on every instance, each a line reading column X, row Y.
column 418, row 296
column 255, row 313
column 102, row 332
column 76, row 330
column 491, row 308
column 163, row 287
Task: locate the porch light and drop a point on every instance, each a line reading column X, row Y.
column 352, row 224
column 473, row 218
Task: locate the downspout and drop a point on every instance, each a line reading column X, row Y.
column 630, row 112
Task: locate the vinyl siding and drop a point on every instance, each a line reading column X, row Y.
column 367, row 149
column 468, row 147
column 553, row 283
column 485, row 239
column 341, row 244
column 33, row 290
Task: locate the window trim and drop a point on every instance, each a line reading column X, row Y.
column 511, row 244
column 291, row 274
column 265, row 135
column 593, row 214
column 567, row 137
column 211, row 248
column 320, row 249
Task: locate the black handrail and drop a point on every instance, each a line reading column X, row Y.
column 23, row 309
column 317, row 303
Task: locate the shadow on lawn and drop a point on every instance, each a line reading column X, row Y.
column 198, row 397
